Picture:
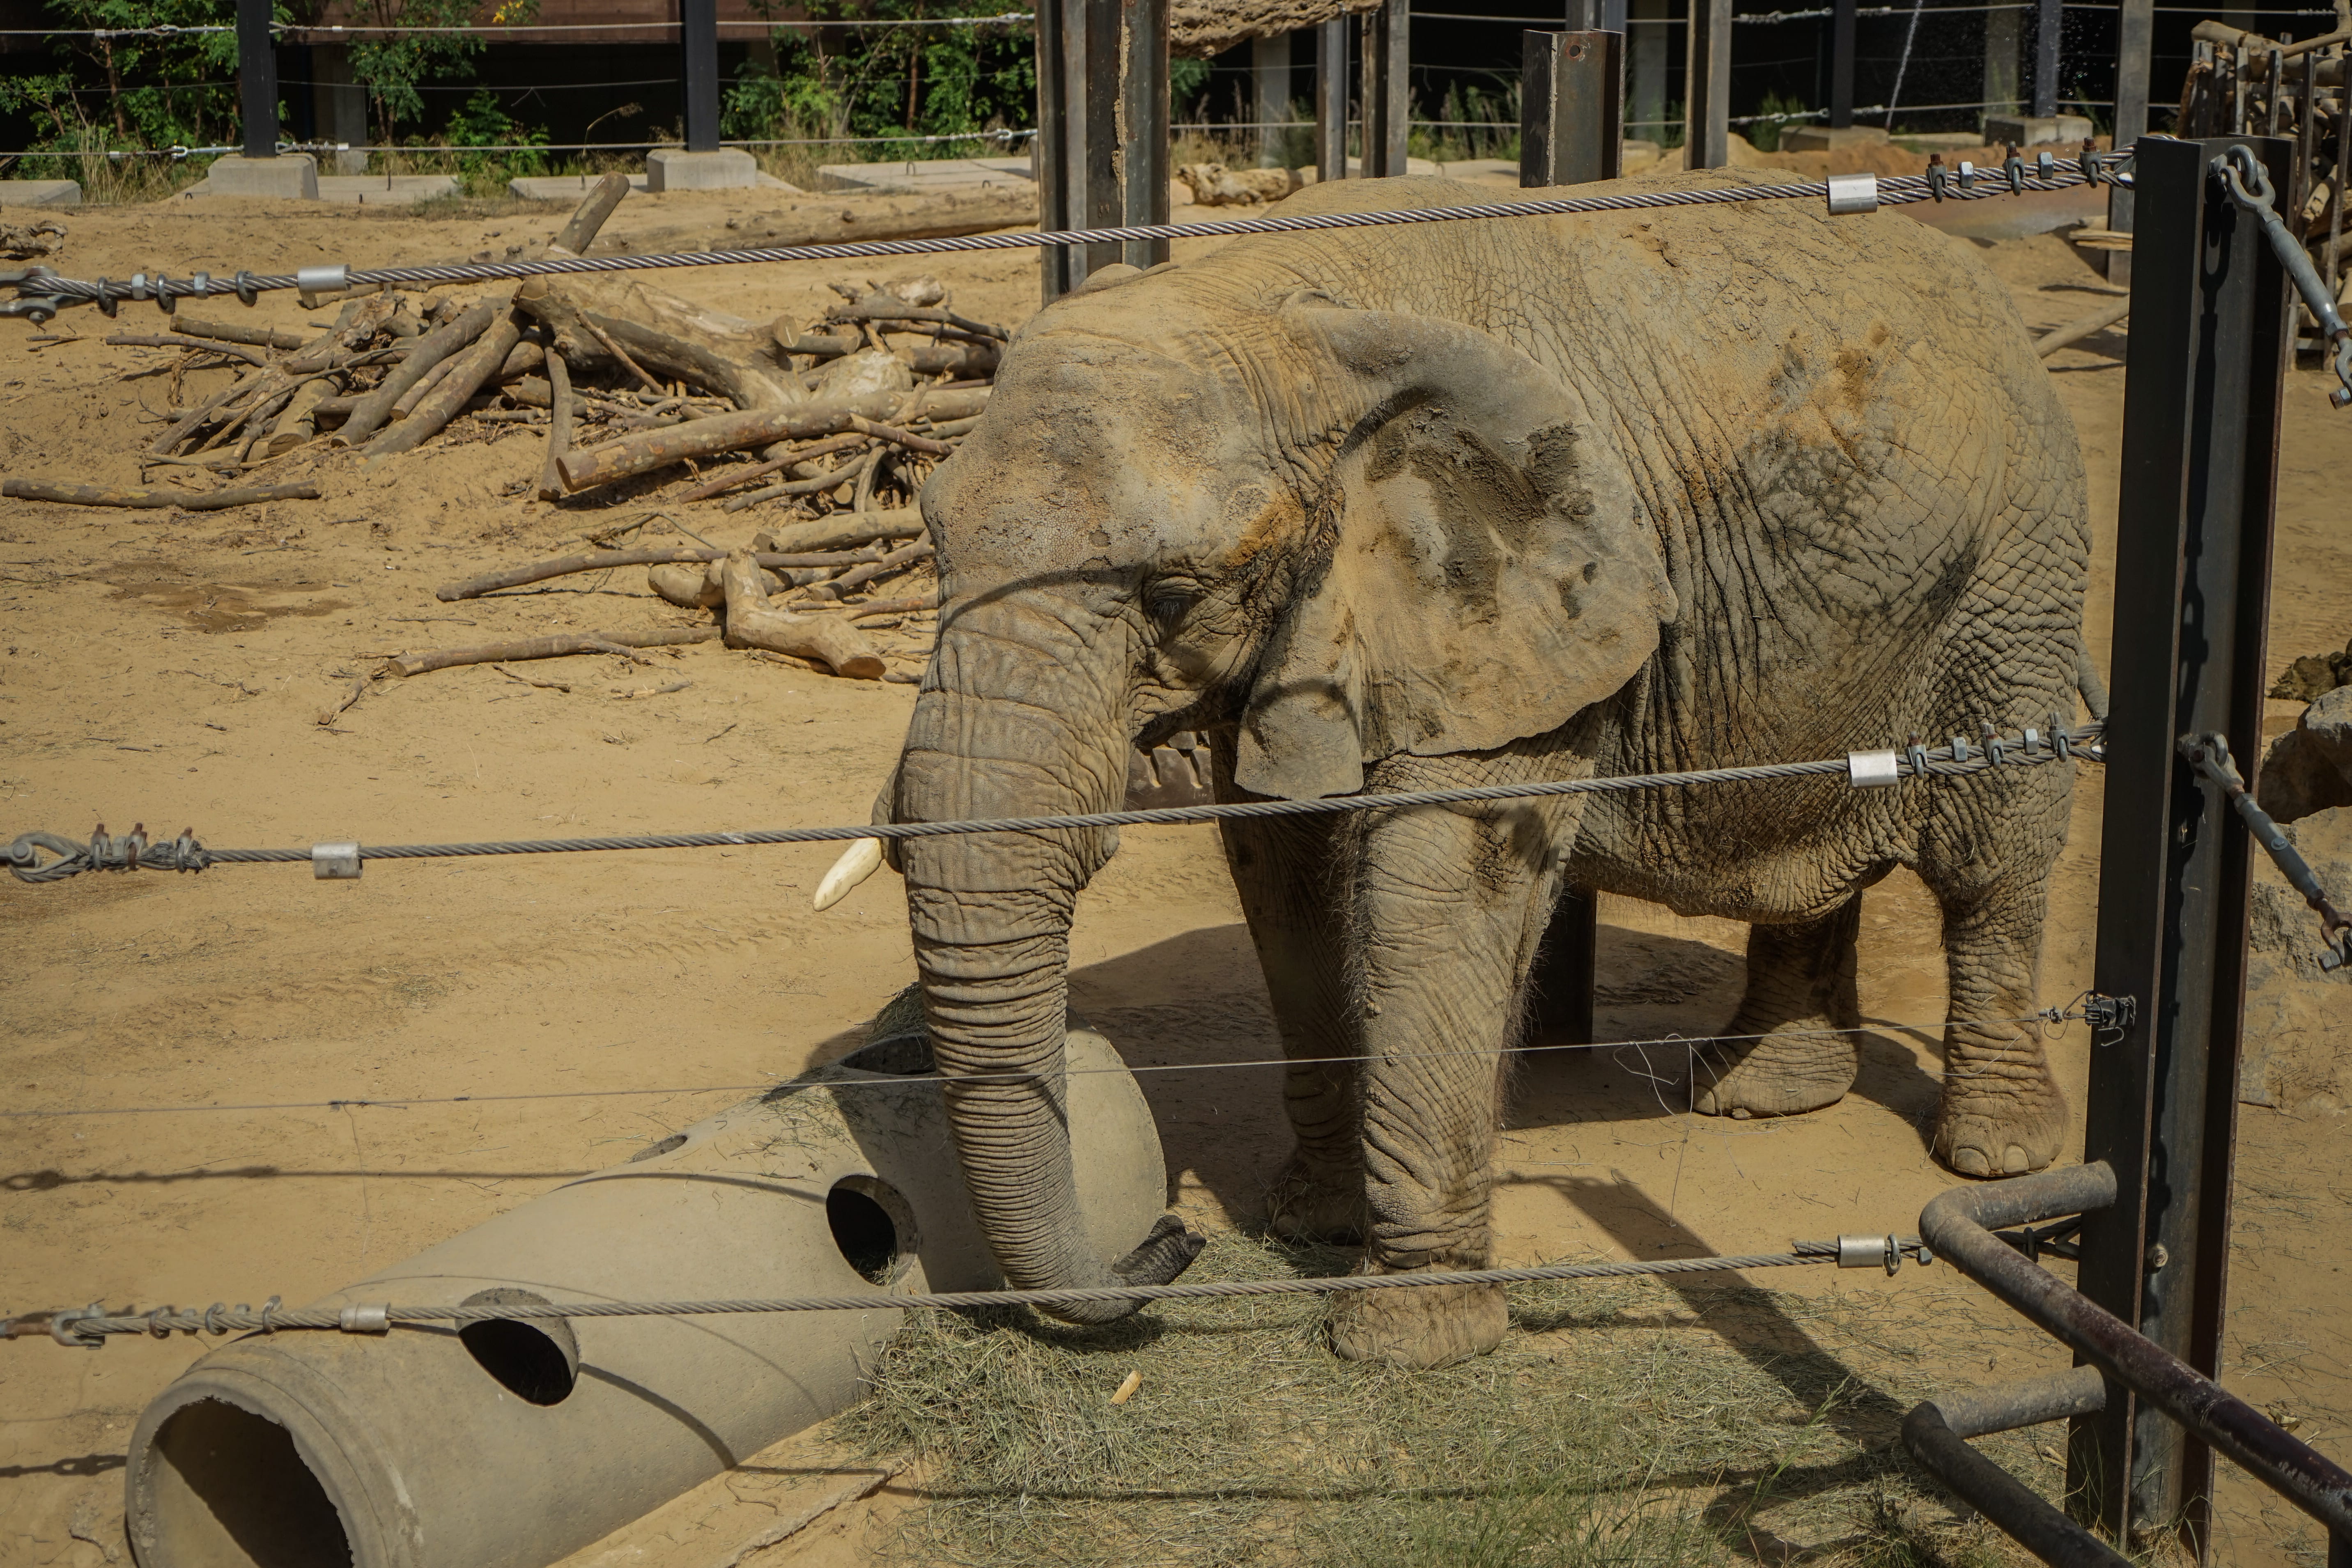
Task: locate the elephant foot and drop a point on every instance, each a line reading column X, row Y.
column 1308, row 1201
column 1789, row 1071
column 2008, row 1123
column 1429, row 1326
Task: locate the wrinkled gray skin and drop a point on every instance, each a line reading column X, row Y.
column 1450, row 504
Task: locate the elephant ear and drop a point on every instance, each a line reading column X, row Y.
column 1484, row 573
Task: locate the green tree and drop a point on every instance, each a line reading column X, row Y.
column 152, row 91
column 850, row 80
column 404, row 52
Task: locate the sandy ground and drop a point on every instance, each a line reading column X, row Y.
column 172, row 669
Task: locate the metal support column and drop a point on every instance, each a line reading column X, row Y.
column 1571, row 98
column 1144, row 126
column 256, row 78
column 2048, row 15
column 1706, row 139
column 2202, row 408
column 1388, row 88
column 2135, row 37
column 1270, row 98
column 1842, row 18
column 1331, row 99
column 698, row 42
column 1646, row 45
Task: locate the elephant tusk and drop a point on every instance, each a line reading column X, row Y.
column 858, row 862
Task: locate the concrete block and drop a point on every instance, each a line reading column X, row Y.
column 927, row 175
column 2035, row 130
column 1822, row 139
column 292, row 177
column 676, row 169
column 40, row 193
column 386, row 190
column 564, row 188
column 1941, row 141
column 350, row 160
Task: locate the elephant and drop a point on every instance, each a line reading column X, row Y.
column 1494, row 503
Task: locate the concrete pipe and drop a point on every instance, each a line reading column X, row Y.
column 510, row 1443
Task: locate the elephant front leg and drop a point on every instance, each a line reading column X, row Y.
column 1447, row 910
column 1286, row 875
column 1783, row 1056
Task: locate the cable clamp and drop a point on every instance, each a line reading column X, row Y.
column 62, row 1330
column 1936, row 176
column 1968, row 176
column 2045, row 167
column 374, row 1317
column 2113, row 1015
column 1870, row 1252
column 1873, row 770
column 323, row 279
column 335, row 862
column 1960, row 748
column 2014, row 167
column 1852, row 194
column 2059, row 741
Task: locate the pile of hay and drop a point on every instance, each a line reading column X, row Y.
column 1620, row 1422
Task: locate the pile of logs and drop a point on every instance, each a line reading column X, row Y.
column 828, row 426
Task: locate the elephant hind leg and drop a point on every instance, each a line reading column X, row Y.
column 2003, row 1112
column 1801, row 987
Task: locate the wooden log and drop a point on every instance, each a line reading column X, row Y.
column 912, row 604
column 2075, row 330
column 195, row 419
column 416, row 395
column 173, row 340
column 882, row 309
column 101, row 494
column 753, row 622
column 557, row 646
column 699, row 437
column 951, row 359
column 813, row 484
column 898, row 437
column 605, row 560
column 1201, row 29
column 300, row 421
column 471, row 369
column 226, row 332
column 559, row 425
column 831, row 220
column 522, row 360
column 579, row 230
column 369, row 413
column 850, row 528
column 819, row 346
column 589, row 337
column 734, row 476
column 858, row 576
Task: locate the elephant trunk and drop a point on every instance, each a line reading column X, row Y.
column 991, row 918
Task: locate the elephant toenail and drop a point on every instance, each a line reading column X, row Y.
column 1971, row 1163
column 1741, row 1113
column 2015, row 1162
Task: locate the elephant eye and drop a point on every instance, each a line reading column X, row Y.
column 1166, row 603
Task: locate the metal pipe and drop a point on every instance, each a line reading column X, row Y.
column 1935, row 1431
column 1958, row 1226
column 514, row 1441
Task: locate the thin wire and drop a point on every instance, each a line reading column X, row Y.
column 303, row 33
column 2048, row 1015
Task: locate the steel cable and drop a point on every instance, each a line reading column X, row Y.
column 1955, row 759
column 2091, row 168
column 88, row 1324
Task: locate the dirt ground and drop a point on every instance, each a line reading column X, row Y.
column 172, row 669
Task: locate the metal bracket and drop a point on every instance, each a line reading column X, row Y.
column 2209, row 755
column 2110, row 1012
column 61, row 1328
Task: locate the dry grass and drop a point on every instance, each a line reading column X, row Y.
column 1625, row 1422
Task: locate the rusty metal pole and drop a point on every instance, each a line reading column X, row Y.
column 1331, row 99
column 1572, row 103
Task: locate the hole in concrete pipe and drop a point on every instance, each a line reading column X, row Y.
column 534, row 1359
column 871, row 1225
column 228, row 1489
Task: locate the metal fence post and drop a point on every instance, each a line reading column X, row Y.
column 1388, row 88
column 1707, row 139
column 697, row 40
column 2202, row 408
column 1571, row 98
column 1331, row 98
column 1842, row 18
column 2048, row 15
column 256, row 78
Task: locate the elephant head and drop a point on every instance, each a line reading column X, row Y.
column 1342, row 532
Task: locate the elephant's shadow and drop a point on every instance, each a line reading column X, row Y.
column 1180, row 1008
